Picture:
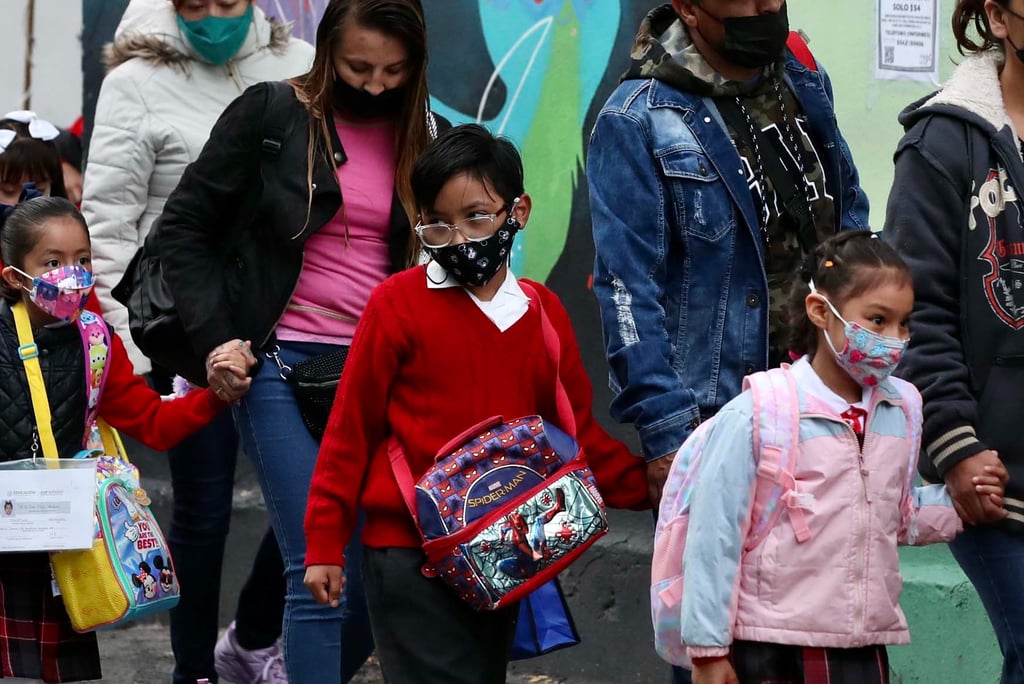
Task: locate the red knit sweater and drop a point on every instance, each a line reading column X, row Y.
column 132, row 407
column 424, row 366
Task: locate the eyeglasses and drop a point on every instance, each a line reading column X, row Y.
column 474, row 229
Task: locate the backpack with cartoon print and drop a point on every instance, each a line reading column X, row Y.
column 128, row 572
column 776, row 438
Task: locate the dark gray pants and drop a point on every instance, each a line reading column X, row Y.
column 424, row 633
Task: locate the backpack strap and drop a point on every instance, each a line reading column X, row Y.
column 277, row 121
column 776, row 438
column 554, row 349
column 798, row 46
column 28, row 352
column 911, row 400
column 96, row 347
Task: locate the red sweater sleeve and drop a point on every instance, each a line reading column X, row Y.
column 137, row 410
column 355, row 431
column 621, row 476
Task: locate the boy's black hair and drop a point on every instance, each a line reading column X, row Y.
column 846, row 265
column 28, row 156
column 21, row 232
column 473, row 150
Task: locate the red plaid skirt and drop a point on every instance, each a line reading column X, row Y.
column 759, row 663
column 36, row 638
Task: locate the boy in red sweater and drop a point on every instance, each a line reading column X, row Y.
column 439, row 348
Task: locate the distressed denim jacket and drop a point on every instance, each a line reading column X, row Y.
column 679, row 272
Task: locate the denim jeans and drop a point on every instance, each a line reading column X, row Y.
column 322, row 644
column 202, row 475
column 994, row 562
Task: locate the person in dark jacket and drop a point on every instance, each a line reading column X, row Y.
column 297, row 207
column 955, row 215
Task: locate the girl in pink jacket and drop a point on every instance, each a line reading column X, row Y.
column 820, row 609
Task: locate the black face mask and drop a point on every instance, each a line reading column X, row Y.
column 473, row 264
column 364, row 105
column 753, row 42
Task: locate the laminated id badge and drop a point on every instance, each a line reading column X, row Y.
column 47, row 504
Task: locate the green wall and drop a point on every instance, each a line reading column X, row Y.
column 841, row 34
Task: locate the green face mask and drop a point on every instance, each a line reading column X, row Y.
column 217, row 39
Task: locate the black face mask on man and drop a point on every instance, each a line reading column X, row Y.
column 364, row 105
column 754, row 41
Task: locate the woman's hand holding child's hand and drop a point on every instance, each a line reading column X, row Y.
column 715, row 672
column 325, row 583
column 227, row 369
column 976, row 485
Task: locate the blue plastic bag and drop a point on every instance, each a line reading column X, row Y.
column 545, row 623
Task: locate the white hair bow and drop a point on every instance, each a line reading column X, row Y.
column 40, row 129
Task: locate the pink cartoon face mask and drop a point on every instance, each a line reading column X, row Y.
column 62, row 292
column 867, row 357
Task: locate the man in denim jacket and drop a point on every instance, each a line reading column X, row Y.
column 696, row 251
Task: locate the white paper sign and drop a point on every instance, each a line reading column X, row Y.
column 47, row 509
column 907, row 44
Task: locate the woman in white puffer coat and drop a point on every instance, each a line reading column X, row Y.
column 173, row 67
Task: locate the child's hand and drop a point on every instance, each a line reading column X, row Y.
column 325, row 583
column 715, row 672
column 992, row 484
column 973, row 507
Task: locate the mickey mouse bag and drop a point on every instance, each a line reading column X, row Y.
column 128, row 572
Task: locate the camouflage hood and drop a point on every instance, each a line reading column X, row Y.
column 664, row 51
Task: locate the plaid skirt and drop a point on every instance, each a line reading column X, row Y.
column 760, row 663
column 36, row 637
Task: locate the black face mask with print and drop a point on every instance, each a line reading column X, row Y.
column 364, row 105
column 473, row 264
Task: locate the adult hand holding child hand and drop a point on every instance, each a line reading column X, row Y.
column 227, row 369
column 976, row 485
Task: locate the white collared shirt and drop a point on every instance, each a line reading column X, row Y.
column 808, row 378
column 509, row 304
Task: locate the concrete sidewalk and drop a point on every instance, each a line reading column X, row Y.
column 608, row 590
column 141, row 654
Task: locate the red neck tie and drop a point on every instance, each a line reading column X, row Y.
column 854, row 417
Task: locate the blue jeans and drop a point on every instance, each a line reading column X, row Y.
column 202, row 475
column 322, row 644
column 994, row 561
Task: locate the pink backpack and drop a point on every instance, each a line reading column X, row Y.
column 776, row 432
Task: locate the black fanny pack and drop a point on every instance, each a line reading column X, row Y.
column 314, row 382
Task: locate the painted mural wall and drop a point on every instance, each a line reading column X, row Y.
column 538, row 71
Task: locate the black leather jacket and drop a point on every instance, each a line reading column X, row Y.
column 231, row 235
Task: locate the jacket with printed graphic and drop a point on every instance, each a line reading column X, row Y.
column 956, row 217
column 840, row 588
column 155, row 111
column 680, row 270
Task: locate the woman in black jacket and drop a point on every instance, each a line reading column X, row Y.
column 955, row 214
column 297, row 207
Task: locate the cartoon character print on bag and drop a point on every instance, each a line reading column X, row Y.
column 145, row 580
column 529, row 540
column 1004, row 251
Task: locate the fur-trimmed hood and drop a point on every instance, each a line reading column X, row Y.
column 149, row 31
column 972, row 93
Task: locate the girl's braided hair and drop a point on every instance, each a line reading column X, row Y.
column 846, row 265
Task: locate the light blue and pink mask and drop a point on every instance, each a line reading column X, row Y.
column 62, row 292
column 867, row 357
